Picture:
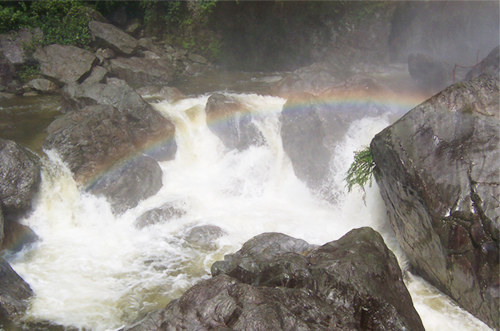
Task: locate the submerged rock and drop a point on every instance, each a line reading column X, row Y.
column 159, row 215
column 14, row 293
column 129, row 182
column 438, row 169
column 203, row 236
column 228, row 119
column 276, row 282
column 66, row 64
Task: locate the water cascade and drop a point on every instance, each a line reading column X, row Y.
column 95, row 271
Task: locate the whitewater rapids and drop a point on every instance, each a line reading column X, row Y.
column 94, row 271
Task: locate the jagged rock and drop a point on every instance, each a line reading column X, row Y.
column 429, row 73
column 129, row 182
column 43, row 85
column 231, row 122
column 488, row 66
column 276, row 282
column 97, row 75
column 142, row 71
column 67, row 64
column 148, row 127
column 19, row 178
column 13, row 44
column 438, row 169
column 111, row 36
column 159, row 215
column 17, row 236
column 203, row 236
column 14, row 293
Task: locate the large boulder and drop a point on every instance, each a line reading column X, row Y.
column 148, row 128
column 129, row 182
column 276, row 282
column 311, row 125
column 141, row 71
column 231, row 121
column 19, row 179
column 111, row 36
column 438, row 169
column 66, row 64
column 14, row 293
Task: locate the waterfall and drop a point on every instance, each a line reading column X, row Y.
column 96, row 271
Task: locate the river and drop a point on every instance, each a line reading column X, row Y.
column 92, row 270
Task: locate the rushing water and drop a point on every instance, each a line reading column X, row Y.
column 94, row 271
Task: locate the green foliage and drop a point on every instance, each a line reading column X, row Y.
column 28, row 72
column 63, row 22
column 361, row 170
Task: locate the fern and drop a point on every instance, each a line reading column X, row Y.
column 361, row 170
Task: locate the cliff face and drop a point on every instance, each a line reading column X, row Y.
column 438, row 169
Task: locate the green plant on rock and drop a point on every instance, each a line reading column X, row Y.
column 361, row 170
column 28, row 72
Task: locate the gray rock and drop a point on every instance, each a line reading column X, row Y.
column 19, row 178
column 111, row 36
column 92, row 139
column 97, row 75
column 13, row 44
column 14, row 293
column 129, row 182
column 488, row 66
column 159, row 215
column 67, row 64
column 438, row 169
column 142, row 71
column 43, row 85
column 104, row 54
column 197, row 58
column 281, row 284
column 231, row 122
column 7, row 72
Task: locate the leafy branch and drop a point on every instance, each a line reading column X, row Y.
column 361, row 170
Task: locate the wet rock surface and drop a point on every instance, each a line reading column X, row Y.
column 276, row 282
column 19, row 179
column 159, row 215
column 14, row 293
column 438, row 172
column 129, row 182
column 231, row 122
column 127, row 124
